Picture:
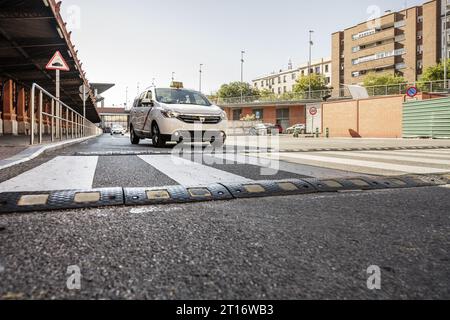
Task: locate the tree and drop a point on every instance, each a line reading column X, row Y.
column 373, row 79
column 317, row 83
column 235, row 89
column 436, row 73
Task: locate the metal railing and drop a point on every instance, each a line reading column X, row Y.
column 341, row 93
column 65, row 122
column 286, row 97
column 398, row 89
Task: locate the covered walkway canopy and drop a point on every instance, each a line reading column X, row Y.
column 31, row 31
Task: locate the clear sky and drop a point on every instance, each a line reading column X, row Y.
column 134, row 41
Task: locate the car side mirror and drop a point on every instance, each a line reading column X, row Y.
column 147, row 102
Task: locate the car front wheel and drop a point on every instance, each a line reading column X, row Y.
column 157, row 139
column 133, row 137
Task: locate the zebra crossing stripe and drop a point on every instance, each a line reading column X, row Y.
column 60, row 173
column 414, row 154
column 364, row 163
column 389, row 157
column 188, row 173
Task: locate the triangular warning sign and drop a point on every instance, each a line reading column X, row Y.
column 57, row 63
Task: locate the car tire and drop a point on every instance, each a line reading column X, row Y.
column 133, row 137
column 158, row 140
column 219, row 143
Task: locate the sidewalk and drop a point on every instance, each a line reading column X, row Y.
column 16, row 149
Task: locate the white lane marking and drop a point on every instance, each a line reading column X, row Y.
column 389, row 157
column 412, row 154
column 439, row 151
column 363, row 163
column 189, row 174
column 280, row 165
column 60, row 173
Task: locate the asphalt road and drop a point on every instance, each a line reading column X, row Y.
column 299, row 247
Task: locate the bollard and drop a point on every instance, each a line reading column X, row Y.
column 328, row 133
column 317, row 132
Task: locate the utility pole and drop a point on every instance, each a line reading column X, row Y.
column 126, row 98
column 242, row 75
column 200, row 84
column 446, row 58
column 310, row 60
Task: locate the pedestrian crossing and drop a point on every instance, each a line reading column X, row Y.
column 86, row 172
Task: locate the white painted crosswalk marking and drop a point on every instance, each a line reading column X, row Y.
column 61, row 173
column 278, row 165
column 413, row 154
column 393, row 157
column 324, row 161
column 188, row 173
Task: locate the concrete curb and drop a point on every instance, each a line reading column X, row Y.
column 35, row 151
column 18, row 202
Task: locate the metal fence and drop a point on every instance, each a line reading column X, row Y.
column 63, row 122
column 342, row 93
column 286, row 97
column 398, row 89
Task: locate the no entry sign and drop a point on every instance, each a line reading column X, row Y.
column 313, row 111
column 411, row 92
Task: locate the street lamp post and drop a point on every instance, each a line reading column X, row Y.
column 446, row 58
column 200, row 81
column 310, row 61
column 242, row 75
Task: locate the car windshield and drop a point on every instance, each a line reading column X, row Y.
column 181, row 96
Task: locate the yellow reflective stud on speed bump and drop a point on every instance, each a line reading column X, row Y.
column 33, row 200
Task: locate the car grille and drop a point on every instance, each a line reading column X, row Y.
column 197, row 119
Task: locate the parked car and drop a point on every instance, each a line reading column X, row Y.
column 117, row 129
column 264, row 129
column 300, row 127
column 178, row 115
column 280, row 128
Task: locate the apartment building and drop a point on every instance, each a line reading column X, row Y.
column 284, row 80
column 445, row 43
column 402, row 43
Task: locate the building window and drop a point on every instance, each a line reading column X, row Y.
column 364, row 34
column 303, row 73
column 294, row 76
column 400, row 66
column 237, row 114
column 279, row 80
column 284, row 79
column 284, row 89
column 327, row 68
column 318, row 70
column 279, row 90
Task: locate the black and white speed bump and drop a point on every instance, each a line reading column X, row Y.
column 17, row 202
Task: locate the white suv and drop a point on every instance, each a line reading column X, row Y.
column 171, row 114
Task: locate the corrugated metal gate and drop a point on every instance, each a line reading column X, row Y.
column 427, row 118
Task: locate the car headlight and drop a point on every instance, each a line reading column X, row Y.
column 170, row 114
column 223, row 115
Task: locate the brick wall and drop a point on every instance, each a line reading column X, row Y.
column 297, row 115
